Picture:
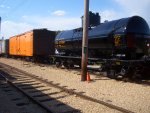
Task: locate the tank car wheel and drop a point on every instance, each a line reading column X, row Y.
column 66, row 65
column 71, row 66
column 136, row 75
column 58, row 64
column 111, row 74
column 123, row 72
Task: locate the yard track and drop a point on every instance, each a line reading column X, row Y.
column 26, row 82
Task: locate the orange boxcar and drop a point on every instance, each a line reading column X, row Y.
column 38, row 42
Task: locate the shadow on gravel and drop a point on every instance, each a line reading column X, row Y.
column 138, row 81
column 49, row 99
column 101, row 76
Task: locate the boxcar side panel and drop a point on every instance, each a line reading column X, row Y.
column 28, row 48
column 25, row 44
column 12, row 46
column 22, row 45
column 18, row 45
column 44, row 42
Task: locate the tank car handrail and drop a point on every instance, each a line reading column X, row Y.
column 131, row 61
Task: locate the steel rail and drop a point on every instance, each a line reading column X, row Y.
column 26, row 94
column 71, row 91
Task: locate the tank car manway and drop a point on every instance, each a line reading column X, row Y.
column 34, row 88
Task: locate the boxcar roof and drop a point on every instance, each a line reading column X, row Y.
column 29, row 32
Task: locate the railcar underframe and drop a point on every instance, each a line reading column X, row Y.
column 115, row 68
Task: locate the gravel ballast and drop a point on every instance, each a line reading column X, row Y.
column 131, row 96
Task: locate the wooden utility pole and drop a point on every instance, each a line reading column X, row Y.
column 85, row 41
column 0, row 25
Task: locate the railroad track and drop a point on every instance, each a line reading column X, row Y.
column 14, row 101
column 45, row 93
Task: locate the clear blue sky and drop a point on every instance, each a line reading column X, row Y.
column 19, row 16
